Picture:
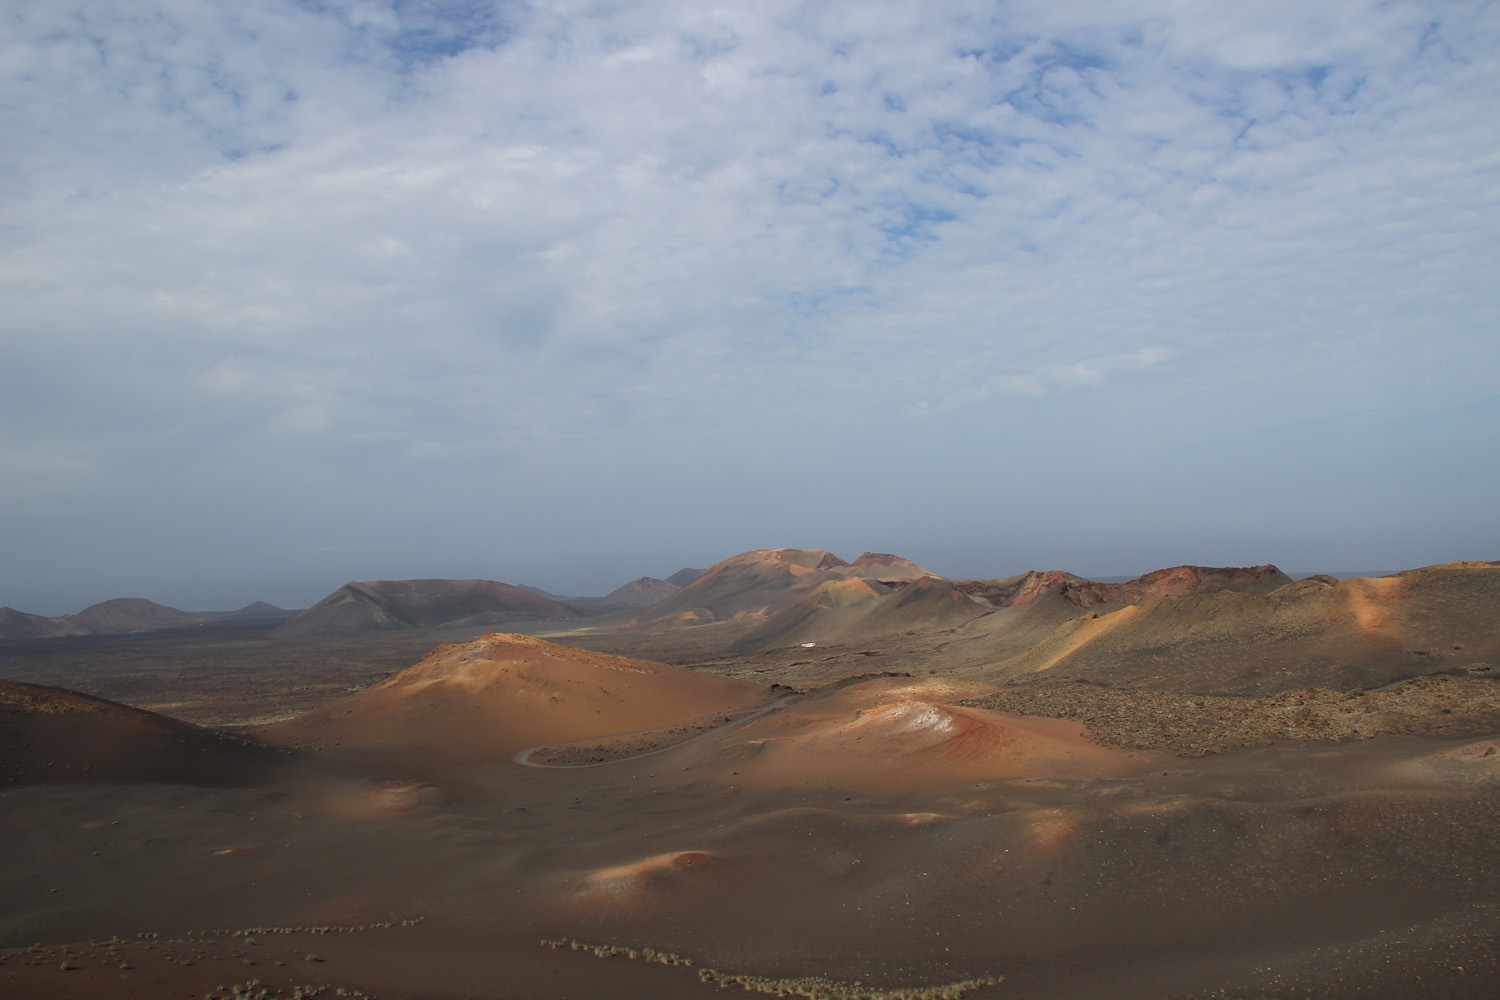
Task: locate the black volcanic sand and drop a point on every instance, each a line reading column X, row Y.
column 1358, row 869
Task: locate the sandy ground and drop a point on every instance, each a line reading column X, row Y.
column 915, row 835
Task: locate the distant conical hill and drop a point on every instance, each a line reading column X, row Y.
column 132, row 614
column 685, row 576
column 642, row 591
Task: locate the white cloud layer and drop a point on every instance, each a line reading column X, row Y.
column 563, row 293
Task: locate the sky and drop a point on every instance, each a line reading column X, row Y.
column 293, row 293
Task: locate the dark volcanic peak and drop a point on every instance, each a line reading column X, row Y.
column 642, row 591
column 132, row 614
column 258, row 609
column 685, row 576
column 412, row 604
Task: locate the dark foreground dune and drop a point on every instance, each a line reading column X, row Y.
column 515, row 819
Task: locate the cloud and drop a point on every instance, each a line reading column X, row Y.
column 374, row 244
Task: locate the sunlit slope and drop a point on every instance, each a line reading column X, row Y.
column 1352, row 633
column 855, row 610
column 501, row 693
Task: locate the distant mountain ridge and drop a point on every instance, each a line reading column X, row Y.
column 769, row 598
column 376, row 605
column 120, row 616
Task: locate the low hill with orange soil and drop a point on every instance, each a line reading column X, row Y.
column 902, row 733
column 500, row 694
column 50, row 735
column 412, row 604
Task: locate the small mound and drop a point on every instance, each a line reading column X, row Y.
column 636, row 880
column 388, row 797
column 1473, row 763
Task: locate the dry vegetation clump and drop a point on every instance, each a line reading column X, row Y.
column 1194, row 725
column 813, row 987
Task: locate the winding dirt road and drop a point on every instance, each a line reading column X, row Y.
column 736, row 719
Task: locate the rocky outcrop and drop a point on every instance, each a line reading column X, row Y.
column 1177, row 581
column 1018, row 591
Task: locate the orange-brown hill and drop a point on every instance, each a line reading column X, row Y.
column 901, row 733
column 1354, row 633
column 490, row 698
column 412, row 604
column 50, row 735
column 754, row 585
